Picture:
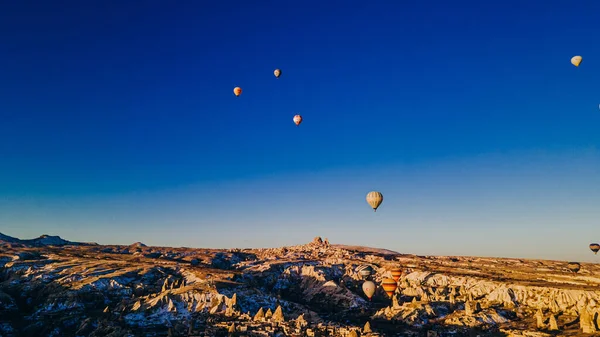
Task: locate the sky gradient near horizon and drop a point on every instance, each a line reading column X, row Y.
column 118, row 124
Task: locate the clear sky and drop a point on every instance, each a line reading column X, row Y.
column 119, row 124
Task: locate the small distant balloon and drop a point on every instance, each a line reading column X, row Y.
column 374, row 199
column 574, row 266
column 297, row 120
column 277, row 73
column 595, row 247
column 237, row 91
column 576, row 60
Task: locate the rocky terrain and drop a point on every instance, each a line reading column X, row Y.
column 53, row 287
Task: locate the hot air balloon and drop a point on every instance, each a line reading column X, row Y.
column 595, row 247
column 374, row 199
column 396, row 273
column 297, row 120
column 389, row 286
column 237, row 91
column 369, row 289
column 574, row 266
column 576, row 60
column 277, row 73
column 365, row 271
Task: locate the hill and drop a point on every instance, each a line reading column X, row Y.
column 43, row 240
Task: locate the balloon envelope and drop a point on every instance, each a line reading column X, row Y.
column 576, row 60
column 277, row 73
column 595, row 247
column 374, row 199
column 365, row 271
column 237, row 91
column 369, row 288
column 574, row 266
column 297, row 120
column 396, row 273
column 389, row 286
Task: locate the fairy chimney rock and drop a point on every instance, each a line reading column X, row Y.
column 260, row 315
column 278, row 315
column 539, row 318
column 301, row 322
column 233, row 301
column 585, row 322
column 553, row 323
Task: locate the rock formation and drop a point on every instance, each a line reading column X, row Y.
column 367, row 328
column 70, row 289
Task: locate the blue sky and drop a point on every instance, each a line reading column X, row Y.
column 119, row 124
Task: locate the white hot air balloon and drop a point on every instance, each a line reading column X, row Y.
column 369, row 288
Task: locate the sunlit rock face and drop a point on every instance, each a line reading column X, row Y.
column 54, row 287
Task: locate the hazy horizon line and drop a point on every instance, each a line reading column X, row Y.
column 301, row 244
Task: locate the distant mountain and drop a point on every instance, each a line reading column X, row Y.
column 366, row 249
column 44, row 240
column 8, row 239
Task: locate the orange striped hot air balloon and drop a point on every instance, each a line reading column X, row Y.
column 396, row 273
column 389, row 286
